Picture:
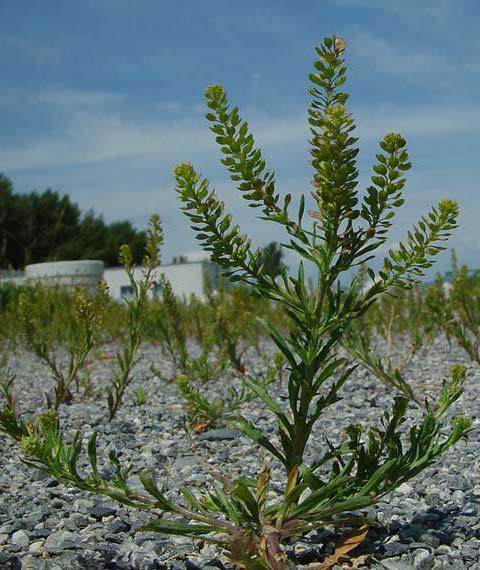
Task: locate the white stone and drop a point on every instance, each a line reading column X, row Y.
column 21, row 538
column 405, row 489
column 36, row 547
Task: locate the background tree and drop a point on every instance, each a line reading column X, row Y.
column 10, row 217
column 48, row 226
column 120, row 233
column 90, row 240
column 272, row 256
column 52, row 221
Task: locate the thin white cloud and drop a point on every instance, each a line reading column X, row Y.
column 411, row 12
column 372, row 124
column 93, row 137
column 398, row 59
column 422, row 121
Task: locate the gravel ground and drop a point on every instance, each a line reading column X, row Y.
column 431, row 522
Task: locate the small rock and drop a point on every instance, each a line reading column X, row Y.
column 80, row 521
column 36, row 547
column 469, row 509
column 308, row 556
column 394, row 549
column 40, row 475
column 29, row 563
column 20, row 538
column 458, row 483
column 322, row 536
column 101, row 511
column 63, row 539
column 57, row 503
column 423, row 560
column 40, row 533
column 405, row 489
column 14, row 548
column 118, row 525
column 429, row 539
column 219, row 435
column 83, row 506
column 469, row 553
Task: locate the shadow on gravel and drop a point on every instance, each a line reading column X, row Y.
column 427, row 530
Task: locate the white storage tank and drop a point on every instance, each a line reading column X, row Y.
column 84, row 273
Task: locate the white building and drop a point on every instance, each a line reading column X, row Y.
column 14, row 277
column 70, row 274
column 186, row 278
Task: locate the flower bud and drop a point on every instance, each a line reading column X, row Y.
column 339, row 44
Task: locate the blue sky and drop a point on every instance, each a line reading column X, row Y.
column 100, row 99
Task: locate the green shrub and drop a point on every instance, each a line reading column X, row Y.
column 402, row 324
column 251, row 520
column 127, row 357
column 139, row 396
column 457, row 311
column 51, row 318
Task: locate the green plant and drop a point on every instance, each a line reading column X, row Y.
column 136, row 315
column 8, row 294
column 251, row 520
column 7, row 380
column 204, row 412
column 335, row 244
column 139, row 396
column 204, row 338
column 80, row 322
column 220, row 327
column 387, row 338
column 170, row 328
column 202, row 362
column 86, row 384
column 360, row 346
column 226, row 325
column 457, row 311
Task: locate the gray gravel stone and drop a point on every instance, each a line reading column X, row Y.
column 432, row 521
column 395, row 549
column 36, row 547
column 423, row 560
column 118, row 525
column 20, row 538
column 101, row 511
column 63, row 539
column 219, row 435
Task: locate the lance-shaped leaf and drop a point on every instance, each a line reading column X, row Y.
column 165, row 526
column 257, row 436
column 147, row 478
